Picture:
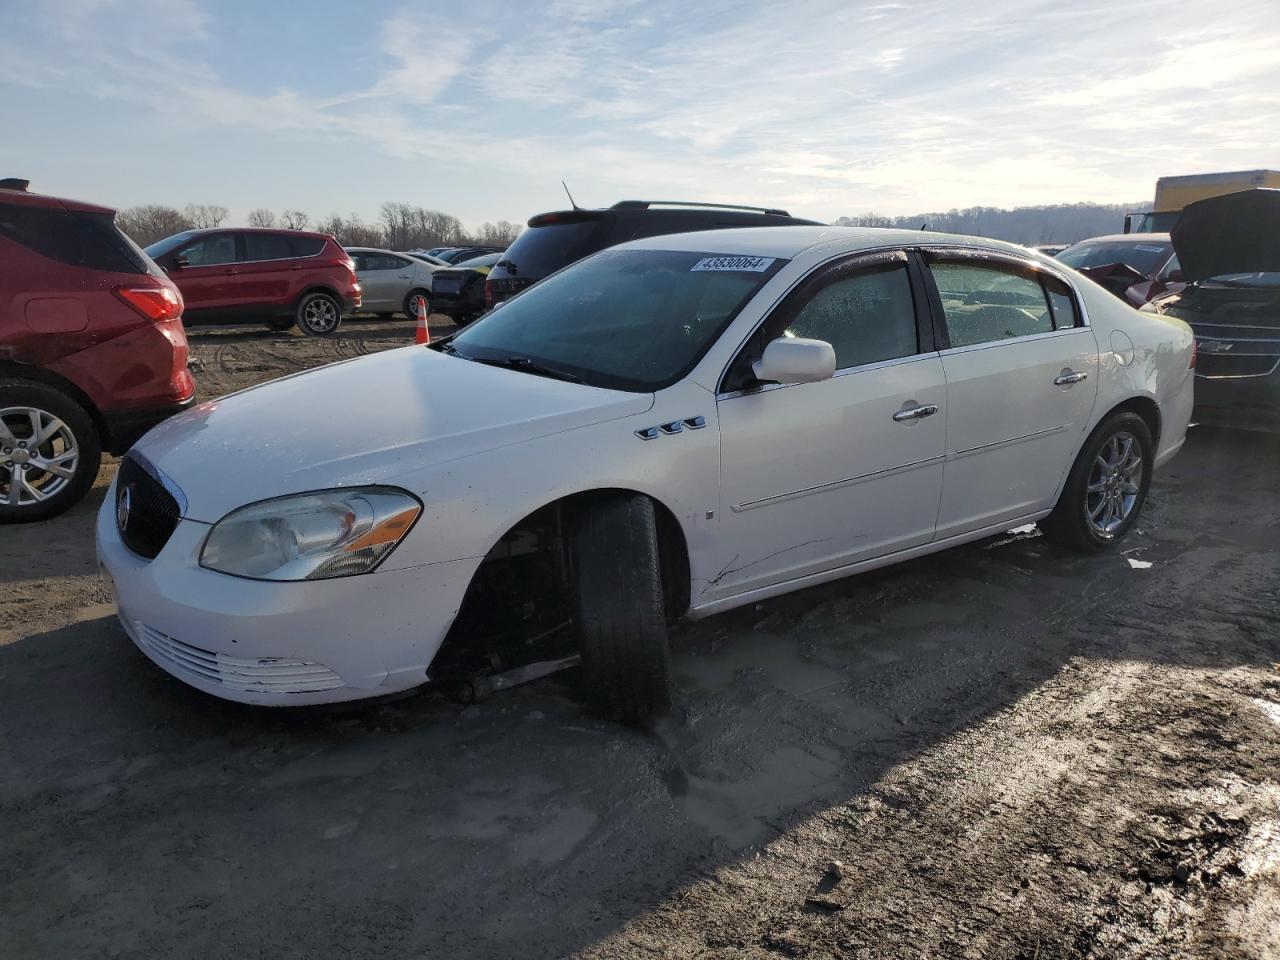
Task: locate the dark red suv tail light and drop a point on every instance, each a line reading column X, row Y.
column 1195, row 351
column 156, row 303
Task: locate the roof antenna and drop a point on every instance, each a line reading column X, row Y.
column 570, row 195
column 925, row 225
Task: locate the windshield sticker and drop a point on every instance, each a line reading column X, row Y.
column 1149, row 249
column 749, row 264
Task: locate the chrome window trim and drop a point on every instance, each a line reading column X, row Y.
column 1029, row 338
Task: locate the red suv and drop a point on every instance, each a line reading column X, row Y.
column 280, row 276
column 92, row 350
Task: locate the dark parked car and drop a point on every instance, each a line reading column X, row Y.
column 1133, row 266
column 92, row 350
column 1229, row 248
column 458, row 291
column 459, row 254
column 282, row 277
column 555, row 240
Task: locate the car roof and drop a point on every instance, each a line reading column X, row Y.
column 1128, row 238
column 44, row 200
column 299, row 233
column 790, row 242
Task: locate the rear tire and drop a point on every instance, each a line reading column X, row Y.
column 1106, row 488
column 72, row 446
column 622, row 623
column 410, row 303
column 319, row 314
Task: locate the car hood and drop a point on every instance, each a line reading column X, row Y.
column 370, row 420
column 1234, row 233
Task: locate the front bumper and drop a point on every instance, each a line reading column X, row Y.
column 279, row 644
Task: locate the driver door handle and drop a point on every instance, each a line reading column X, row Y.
column 1069, row 377
column 916, row 413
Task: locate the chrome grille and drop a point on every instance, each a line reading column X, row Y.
column 244, row 674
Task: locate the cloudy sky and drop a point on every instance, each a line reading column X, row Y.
column 481, row 108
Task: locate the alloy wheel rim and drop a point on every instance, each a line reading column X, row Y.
column 38, row 456
column 414, row 303
column 320, row 314
column 1115, row 480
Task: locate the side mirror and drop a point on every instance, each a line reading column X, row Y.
column 796, row 360
column 180, row 262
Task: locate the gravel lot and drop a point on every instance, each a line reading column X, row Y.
column 1010, row 750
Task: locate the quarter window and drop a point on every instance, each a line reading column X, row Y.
column 987, row 303
column 867, row 317
column 211, row 251
column 1061, row 304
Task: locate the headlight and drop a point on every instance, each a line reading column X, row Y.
column 311, row 536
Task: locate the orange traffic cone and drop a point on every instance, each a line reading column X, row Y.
column 422, row 335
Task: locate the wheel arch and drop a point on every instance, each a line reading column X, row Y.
column 1145, row 407
column 11, row 369
column 673, row 541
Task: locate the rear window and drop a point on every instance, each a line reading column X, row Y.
column 75, row 237
column 1143, row 257
column 306, row 246
column 540, row 251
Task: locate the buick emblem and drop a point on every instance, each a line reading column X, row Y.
column 124, row 503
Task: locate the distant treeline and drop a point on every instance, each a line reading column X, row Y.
column 1056, row 223
column 399, row 227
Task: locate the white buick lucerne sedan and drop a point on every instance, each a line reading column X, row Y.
column 670, row 428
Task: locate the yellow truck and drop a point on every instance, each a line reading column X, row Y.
column 1174, row 193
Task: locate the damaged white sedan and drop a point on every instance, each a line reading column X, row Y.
column 670, row 428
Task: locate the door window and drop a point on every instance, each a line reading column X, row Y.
column 383, row 261
column 867, row 317
column 985, row 303
column 211, row 251
column 267, row 246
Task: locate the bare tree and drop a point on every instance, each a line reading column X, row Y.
column 502, row 233
column 205, row 215
column 149, row 223
column 261, row 217
column 294, row 220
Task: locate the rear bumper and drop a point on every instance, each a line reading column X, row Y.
column 1248, row 402
column 126, row 427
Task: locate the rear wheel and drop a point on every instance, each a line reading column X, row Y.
column 49, row 451
column 1107, row 486
column 412, row 301
column 319, row 314
column 619, row 604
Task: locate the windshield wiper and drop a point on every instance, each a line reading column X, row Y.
column 529, row 365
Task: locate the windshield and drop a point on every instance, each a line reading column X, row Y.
column 169, row 244
column 628, row 319
column 1144, row 257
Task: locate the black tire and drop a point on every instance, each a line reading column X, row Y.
column 280, row 324
column 622, row 623
column 408, row 302
column 79, row 428
column 318, row 314
column 1070, row 523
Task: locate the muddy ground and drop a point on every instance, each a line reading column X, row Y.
column 1011, row 750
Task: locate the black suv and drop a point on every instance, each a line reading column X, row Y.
column 555, row 240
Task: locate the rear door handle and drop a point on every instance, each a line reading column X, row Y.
column 916, row 413
column 1069, row 377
